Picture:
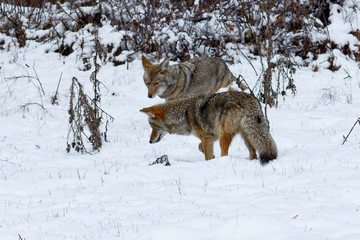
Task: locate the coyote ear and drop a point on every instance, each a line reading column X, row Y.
column 145, row 62
column 155, row 112
column 164, row 65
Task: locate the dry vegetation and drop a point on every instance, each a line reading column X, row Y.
column 181, row 29
column 277, row 32
column 205, row 28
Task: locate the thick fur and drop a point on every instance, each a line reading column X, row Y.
column 191, row 78
column 212, row 117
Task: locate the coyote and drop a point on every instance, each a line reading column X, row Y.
column 212, row 117
column 188, row 79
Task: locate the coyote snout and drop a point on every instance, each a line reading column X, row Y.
column 156, row 134
column 152, row 89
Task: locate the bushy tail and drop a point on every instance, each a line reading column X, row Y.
column 256, row 131
column 269, row 153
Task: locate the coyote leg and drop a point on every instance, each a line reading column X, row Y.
column 252, row 151
column 207, row 147
column 225, row 141
column 201, row 149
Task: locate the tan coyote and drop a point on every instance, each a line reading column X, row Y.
column 212, row 117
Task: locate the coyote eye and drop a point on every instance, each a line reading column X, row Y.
column 146, row 80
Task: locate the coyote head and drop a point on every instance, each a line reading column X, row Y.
column 157, row 123
column 155, row 76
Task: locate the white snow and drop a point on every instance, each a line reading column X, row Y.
column 310, row 192
column 342, row 23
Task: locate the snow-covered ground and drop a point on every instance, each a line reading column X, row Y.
column 311, row 191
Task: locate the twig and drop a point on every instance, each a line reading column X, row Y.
column 243, row 79
column 37, row 78
column 68, row 14
column 348, row 75
column 54, row 98
column 345, row 138
column 12, row 163
column 181, row 192
column 17, row 77
column 57, row 88
column 248, row 61
column 38, row 104
column 97, row 106
column 238, row 82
